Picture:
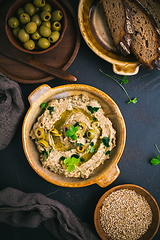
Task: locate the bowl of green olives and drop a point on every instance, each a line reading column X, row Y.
column 36, row 26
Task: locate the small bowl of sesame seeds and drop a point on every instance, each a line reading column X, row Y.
column 127, row 212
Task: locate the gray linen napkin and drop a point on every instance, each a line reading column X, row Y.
column 21, row 209
column 11, row 109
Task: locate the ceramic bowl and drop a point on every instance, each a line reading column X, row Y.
column 94, row 30
column 106, row 173
column 153, row 228
column 12, row 12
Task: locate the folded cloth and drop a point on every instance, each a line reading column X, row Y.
column 11, row 109
column 21, row 209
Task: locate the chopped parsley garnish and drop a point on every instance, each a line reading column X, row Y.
column 75, row 155
column 92, row 109
column 51, row 109
column 82, row 159
column 70, row 163
column 76, row 124
column 91, row 148
column 108, row 152
column 106, row 141
column 62, row 158
column 45, row 152
column 71, row 132
column 80, row 144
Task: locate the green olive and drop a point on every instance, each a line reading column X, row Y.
column 55, row 132
column 47, row 7
column 30, row 9
column 13, row 22
column 39, row 132
column 43, row 43
column 43, row 142
column 45, row 15
column 38, row 3
column 56, row 15
column 95, row 124
column 66, row 127
column 23, row 35
column 82, row 127
column 91, row 134
column 31, row 27
column 56, row 26
column 80, row 147
column 15, row 31
column 37, row 10
column 47, row 24
column 36, row 18
column 44, row 31
column 54, row 37
column 29, row 45
column 35, row 35
column 24, row 18
column 20, row 11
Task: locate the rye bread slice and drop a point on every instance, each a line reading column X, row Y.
column 144, row 41
column 119, row 21
column 153, row 9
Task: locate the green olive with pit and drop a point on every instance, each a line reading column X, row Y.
column 43, row 43
column 91, row 134
column 45, row 15
column 47, row 24
column 30, row 9
column 13, row 22
column 15, row 31
column 24, row 18
column 29, row 45
column 95, row 124
column 54, row 37
column 44, row 31
column 31, row 27
column 56, row 26
column 20, row 11
column 82, row 127
column 47, row 7
column 57, row 15
column 35, row 35
column 23, row 35
column 36, row 18
column 39, row 3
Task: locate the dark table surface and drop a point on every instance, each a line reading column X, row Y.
column 143, row 132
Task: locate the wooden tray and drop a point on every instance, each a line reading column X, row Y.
column 61, row 57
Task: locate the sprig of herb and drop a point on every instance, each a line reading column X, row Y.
column 70, row 163
column 92, row 109
column 123, row 80
column 71, row 132
column 156, row 161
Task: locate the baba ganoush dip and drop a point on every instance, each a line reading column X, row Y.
column 73, row 136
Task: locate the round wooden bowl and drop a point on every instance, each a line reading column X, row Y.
column 106, row 173
column 12, row 12
column 152, row 230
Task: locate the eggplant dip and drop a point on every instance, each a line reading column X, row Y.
column 73, row 136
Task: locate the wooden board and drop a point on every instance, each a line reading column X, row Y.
column 60, row 57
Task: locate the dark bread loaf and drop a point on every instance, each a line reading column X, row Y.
column 119, row 22
column 144, row 41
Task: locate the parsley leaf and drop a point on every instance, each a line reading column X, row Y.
column 106, row 141
column 70, row 163
column 124, row 80
column 71, row 132
column 92, row 109
column 43, row 105
column 156, row 161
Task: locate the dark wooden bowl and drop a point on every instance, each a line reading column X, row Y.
column 153, row 228
column 12, row 12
